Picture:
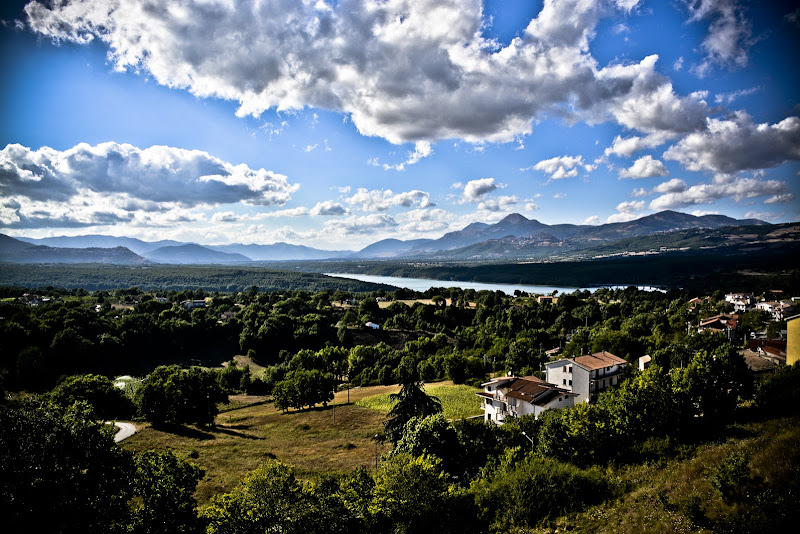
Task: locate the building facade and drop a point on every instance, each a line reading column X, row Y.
column 513, row 396
column 587, row 376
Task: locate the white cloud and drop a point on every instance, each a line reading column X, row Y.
column 728, row 41
column 731, row 145
column 328, row 208
column 627, row 211
column 562, row 166
column 639, row 192
column 309, row 148
column 559, row 196
column 727, row 98
column 402, row 70
column 366, row 224
column 780, row 199
column 499, row 204
column 645, row 167
column 98, row 185
column 422, row 149
column 676, row 185
column 475, row 190
column 701, row 213
column 384, row 199
column 678, row 65
column 763, row 215
column 628, row 145
column 736, row 189
column 593, row 220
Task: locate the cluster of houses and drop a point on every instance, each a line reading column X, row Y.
column 779, row 309
column 568, row 381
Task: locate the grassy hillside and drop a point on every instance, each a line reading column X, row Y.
column 458, row 401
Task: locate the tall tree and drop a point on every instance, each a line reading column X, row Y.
column 411, row 401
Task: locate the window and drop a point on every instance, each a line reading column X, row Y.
column 564, row 369
column 560, row 399
column 570, row 369
column 570, row 382
column 565, row 381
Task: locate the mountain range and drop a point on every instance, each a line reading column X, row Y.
column 513, row 237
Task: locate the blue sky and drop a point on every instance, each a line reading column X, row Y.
column 336, row 124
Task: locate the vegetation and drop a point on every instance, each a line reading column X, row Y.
column 296, row 457
column 458, row 401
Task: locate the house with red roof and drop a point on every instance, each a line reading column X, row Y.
column 587, row 376
column 513, row 396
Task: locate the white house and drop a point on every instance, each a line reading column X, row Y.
column 192, row 304
column 513, row 396
column 587, row 376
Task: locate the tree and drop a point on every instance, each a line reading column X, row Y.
column 60, row 471
column 107, row 400
column 269, row 499
column 411, row 401
column 432, row 435
column 165, row 485
column 410, row 495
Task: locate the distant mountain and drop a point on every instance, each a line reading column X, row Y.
column 102, row 241
column 388, row 248
column 193, row 254
column 517, row 236
column 44, row 254
column 280, row 252
column 9, row 244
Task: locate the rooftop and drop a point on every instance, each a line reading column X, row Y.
column 598, row 360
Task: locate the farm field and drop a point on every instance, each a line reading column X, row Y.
column 250, row 430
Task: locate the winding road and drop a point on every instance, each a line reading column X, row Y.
column 126, row 430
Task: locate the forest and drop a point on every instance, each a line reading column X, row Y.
column 58, row 360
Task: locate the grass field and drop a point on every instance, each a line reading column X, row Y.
column 254, row 431
column 251, row 430
column 458, row 401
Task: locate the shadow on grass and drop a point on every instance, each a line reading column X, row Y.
column 228, row 431
column 184, row 431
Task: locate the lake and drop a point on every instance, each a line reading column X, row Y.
column 423, row 284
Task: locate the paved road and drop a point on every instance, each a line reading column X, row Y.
column 126, row 430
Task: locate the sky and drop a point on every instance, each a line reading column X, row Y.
column 335, row 124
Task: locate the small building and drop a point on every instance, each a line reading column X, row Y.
column 372, row 325
column 513, row 396
column 724, row 322
column 192, row 304
column 793, row 340
column 587, row 376
column 546, row 299
column 644, row 362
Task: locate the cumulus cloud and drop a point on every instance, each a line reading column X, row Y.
column 403, row 70
column 474, row 190
column 728, row 41
column 645, row 167
column 328, row 208
column 592, row 219
column 737, row 189
column 627, row 146
column 676, row 185
column 499, row 204
column 111, row 182
column 384, row 199
column 627, row 211
column 562, row 166
column 735, row 144
column 639, row 192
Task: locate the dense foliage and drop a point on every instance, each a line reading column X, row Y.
column 61, row 471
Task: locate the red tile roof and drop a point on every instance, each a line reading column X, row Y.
column 598, row 360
